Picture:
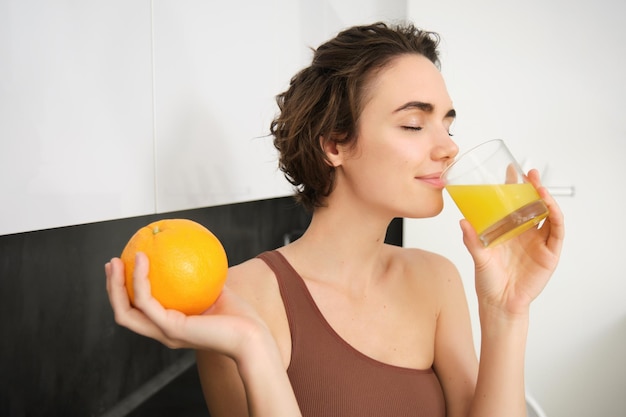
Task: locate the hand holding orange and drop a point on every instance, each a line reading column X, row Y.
column 188, row 264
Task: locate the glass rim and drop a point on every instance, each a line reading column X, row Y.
column 470, row 150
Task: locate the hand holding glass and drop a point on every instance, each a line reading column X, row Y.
column 491, row 191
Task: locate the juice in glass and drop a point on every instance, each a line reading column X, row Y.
column 499, row 211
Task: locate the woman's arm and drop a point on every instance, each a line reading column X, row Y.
column 508, row 278
column 500, row 388
column 230, row 328
column 455, row 359
column 223, row 389
column 253, row 387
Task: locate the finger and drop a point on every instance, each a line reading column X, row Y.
column 165, row 320
column 511, row 174
column 473, row 243
column 143, row 298
column 141, row 283
column 555, row 221
column 107, row 273
column 110, row 276
column 118, row 296
column 534, row 178
column 125, row 314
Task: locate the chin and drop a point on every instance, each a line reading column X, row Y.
column 424, row 211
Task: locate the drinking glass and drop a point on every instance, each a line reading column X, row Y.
column 491, row 191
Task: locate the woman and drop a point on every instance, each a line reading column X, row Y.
column 338, row 323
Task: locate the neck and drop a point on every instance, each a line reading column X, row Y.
column 341, row 245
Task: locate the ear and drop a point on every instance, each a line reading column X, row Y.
column 334, row 156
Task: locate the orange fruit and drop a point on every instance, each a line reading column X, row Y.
column 188, row 264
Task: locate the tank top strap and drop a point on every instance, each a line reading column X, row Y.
column 288, row 279
column 294, row 293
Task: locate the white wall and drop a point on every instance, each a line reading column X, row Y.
column 548, row 77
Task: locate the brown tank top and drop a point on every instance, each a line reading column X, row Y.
column 332, row 379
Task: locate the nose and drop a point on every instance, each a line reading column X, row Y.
column 445, row 149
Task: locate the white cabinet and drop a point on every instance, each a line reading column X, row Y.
column 113, row 109
column 76, row 127
column 218, row 66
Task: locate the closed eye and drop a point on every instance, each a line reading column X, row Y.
column 413, row 128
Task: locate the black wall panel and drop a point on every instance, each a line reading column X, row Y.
column 61, row 353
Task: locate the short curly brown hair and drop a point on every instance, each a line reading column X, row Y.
column 325, row 100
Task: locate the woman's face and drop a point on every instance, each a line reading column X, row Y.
column 403, row 142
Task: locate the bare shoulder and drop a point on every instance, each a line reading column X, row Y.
column 429, row 273
column 422, row 263
column 256, row 283
column 249, row 278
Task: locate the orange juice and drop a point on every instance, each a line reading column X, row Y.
column 495, row 210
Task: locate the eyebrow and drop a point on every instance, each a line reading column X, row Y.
column 425, row 107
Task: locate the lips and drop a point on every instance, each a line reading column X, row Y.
column 433, row 179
